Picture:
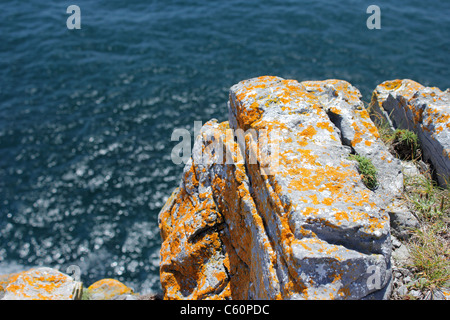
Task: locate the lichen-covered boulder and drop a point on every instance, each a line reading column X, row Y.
column 39, row 284
column 107, row 289
column 406, row 104
column 271, row 207
column 4, row 281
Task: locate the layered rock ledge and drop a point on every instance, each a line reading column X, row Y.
column 406, row 104
column 270, row 205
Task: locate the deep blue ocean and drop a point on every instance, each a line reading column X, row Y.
column 86, row 115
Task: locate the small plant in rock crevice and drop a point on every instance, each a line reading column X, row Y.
column 405, row 144
column 367, row 170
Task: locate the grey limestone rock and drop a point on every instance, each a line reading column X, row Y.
column 406, row 104
column 289, row 216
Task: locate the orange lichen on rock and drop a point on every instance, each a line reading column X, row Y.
column 236, row 230
column 391, row 85
column 5, row 280
column 424, row 110
column 39, row 284
column 309, row 132
column 106, row 289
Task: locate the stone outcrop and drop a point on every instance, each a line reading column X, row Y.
column 271, row 207
column 45, row 283
column 406, row 104
column 107, row 289
column 38, row 284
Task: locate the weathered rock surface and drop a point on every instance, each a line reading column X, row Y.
column 39, row 284
column 406, row 104
column 108, row 289
column 279, row 211
column 402, row 221
column 49, row 284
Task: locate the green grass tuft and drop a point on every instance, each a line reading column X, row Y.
column 428, row 200
column 430, row 244
column 430, row 254
column 405, row 144
column 86, row 295
column 367, row 170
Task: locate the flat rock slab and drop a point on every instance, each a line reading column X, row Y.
column 271, row 207
column 39, row 284
column 406, row 104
